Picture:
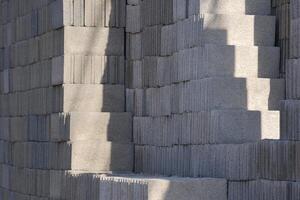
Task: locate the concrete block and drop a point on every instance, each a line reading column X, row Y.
column 292, row 82
column 78, row 12
column 93, row 69
column 220, row 126
column 294, row 38
column 133, row 2
column 237, row 93
column 86, row 155
column 242, row 61
column 61, row 13
column 244, row 126
column 258, row 189
column 133, row 19
column 248, row 7
column 88, row 98
column 4, row 132
column 134, row 46
column 253, row 30
column 114, row 127
column 181, row 188
column 290, row 127
column 158, row 101
column 97, row 41
column 278, row 160
column 5, row 81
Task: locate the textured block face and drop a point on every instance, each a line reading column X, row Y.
column 258, row 188
column 244, row 93
column 178, row 189
column 87, row 69
column 114, row 127
column 243, row 126
column 110, row 13
column 93, row 98
column 86, row 155
column 93, row 41
column 249, row 7
column 239, row 30
column 133, row 19
column 219, row 126
column 242, row 61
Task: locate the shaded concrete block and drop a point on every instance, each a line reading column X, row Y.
column 62, row 13
column 258, row 189
column 133, row 19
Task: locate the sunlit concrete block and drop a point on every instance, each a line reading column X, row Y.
column 88, row 98
column 93, row 40
column 115, row 127
column 239, row 30
column 249, row 7
column 87, row 69
column 241, row 61
column 101, row 156
column 187, row 188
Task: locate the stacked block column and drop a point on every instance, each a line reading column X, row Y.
column 62, row 93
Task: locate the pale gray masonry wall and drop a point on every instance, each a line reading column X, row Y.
column 93, row 90
column 190, row 117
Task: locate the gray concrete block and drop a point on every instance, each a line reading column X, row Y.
column 252, row 30
column 289, row 129
column 258, row 189
column 294, row 38
column 219, row 126
column 244, row 126
column 292, row 82
column 134, row 46
column 93, row 41
column 241, row 61
column 88, row 69
column 237, row 93
column 62, row 13
column 86, row 155
column 78, row 12
column 133, row 19
column 182, row 188
column 133, row 2
column 278, row 160
column 4, row 132
column 88, row 98
column 114, row 127
column 248, row 7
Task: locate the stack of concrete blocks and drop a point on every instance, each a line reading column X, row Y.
column 62, row 92
column 290, row 126
column 205, row 91
column 281, row 9
column 62, row 107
